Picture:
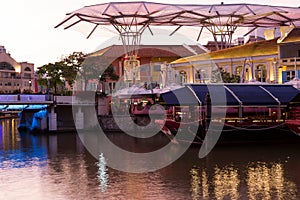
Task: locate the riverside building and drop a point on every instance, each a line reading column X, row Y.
column 15, row 77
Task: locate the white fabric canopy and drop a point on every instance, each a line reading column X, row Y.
column 125, row 15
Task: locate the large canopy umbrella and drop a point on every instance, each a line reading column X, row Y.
column 130, row 19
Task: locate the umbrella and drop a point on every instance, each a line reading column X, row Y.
column 295, row 82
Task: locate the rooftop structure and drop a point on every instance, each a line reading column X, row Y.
column 130, row 19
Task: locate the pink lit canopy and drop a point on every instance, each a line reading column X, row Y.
column 130, row 19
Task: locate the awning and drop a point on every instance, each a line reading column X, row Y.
column 232, row 94
column 181, row 96
column 284, row 93
column 218, row 94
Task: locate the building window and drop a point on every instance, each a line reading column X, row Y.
column 6, row 66
column 156, row 68
column 144, row 68
column 111, row 86
column 27, row 69
column 183, row 77
column 26, row 75
column 198, row 75
column 290, row 75
column 238, row 70
column 261, row 73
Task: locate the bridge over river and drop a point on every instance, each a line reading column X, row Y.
column 45, row 112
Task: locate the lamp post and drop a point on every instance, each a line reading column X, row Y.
column 29, row 84
column 63, row 87
column 99, row 83
column 275, row 71
column 48, row 84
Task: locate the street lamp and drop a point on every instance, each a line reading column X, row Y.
column 29, row 84
column 48, row 84
column 99, row 83
column 275, row 68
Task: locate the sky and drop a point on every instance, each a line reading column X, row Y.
column 28, row 33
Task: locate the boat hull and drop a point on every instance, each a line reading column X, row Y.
column 294, row 126
column 229, row 132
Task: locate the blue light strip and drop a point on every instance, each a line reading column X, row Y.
column 23, row 107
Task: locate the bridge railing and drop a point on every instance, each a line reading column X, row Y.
column 6, row 98
column 25, row 98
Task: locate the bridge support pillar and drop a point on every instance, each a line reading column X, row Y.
column 79, row 119
column 52, row 119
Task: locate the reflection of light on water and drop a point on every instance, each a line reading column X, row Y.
column 268, row 182
column 262, row 181
column 226, row 182
column 102, row 173
column 196, row 182
column 195, row 186
column 205, row 186
column 10, row 137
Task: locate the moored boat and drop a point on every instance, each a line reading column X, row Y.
column 243, row 109
column 293, row 120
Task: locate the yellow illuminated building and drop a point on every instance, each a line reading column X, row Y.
column 275, row 60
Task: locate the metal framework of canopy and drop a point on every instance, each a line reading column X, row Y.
column 130, row 19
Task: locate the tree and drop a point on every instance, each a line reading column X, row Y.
column 98, row 67
column 75, row 67
column 50, row 75
column 225, row 76
column 109, row 74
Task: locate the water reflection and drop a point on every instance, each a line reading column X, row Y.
column 59, row 167
column 267, row 181
column 226, row 182
column 102, row 173
column 260, row 181
column 195, row 186
column 9, row 134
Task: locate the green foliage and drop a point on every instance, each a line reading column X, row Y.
column 26, row 91
column 50, row 75
column 219, row 74
column 227, row 78
column 74, row 67
column 110, row 74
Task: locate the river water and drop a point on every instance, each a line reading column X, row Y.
column 59, row 167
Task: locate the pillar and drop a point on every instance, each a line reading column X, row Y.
column 52, row 119
column 79, row 121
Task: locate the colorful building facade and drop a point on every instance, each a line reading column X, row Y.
column 15, row 77
column 150, row 58
column 273, row 61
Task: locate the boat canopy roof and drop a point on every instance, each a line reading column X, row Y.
column 231, row 94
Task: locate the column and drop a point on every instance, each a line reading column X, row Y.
column 52, row 117
column 79, row 121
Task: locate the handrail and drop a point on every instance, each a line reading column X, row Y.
column 276, row 99
column 236, row 97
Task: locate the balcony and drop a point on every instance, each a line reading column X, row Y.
column 290, row 61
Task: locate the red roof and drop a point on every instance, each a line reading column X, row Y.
column 116, row 51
